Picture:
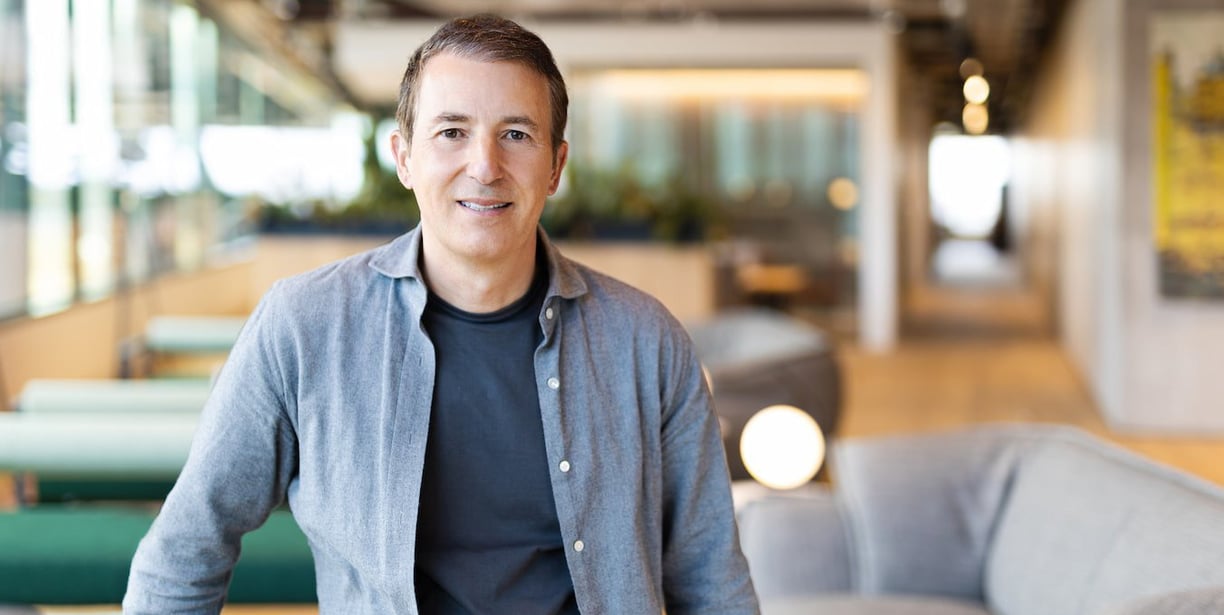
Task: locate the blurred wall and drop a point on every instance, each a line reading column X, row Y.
column 1085, row 176
column 1067, row 176
column 85, row 340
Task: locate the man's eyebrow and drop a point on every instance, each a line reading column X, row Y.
column 447, row 116
column 459, row 118
column 521, row 120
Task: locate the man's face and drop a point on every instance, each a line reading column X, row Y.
column 480, row 159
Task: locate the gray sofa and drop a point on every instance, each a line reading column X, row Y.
column 999, row 519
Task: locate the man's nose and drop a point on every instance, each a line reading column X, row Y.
column 485, row 161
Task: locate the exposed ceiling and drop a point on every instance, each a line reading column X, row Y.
column 1008, row 37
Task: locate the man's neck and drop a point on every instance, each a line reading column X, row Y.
column 479, row 287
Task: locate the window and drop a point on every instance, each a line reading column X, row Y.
column 102, row 118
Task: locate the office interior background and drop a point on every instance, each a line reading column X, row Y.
column 1043, row 248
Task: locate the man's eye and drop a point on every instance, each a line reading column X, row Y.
column 451, row 133
column 517, row 135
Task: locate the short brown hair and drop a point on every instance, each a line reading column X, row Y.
column 487, row 38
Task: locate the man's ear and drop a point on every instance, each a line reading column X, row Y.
column 401, row 150
column 558, row 167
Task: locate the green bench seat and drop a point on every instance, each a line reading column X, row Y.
column 81, row 555
column 66, row 490
column 54, row 414
column 117, row 456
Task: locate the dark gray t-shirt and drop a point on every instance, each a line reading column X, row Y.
column 488, row 539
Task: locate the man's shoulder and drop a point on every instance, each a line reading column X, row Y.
column 605, row 288
column 620, row 301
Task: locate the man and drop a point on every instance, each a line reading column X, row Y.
column 463, row 421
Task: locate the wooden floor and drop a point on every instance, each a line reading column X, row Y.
column 980, row 355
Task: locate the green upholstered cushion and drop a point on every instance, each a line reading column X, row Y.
column 81, row 555
column 87, row 490
column 276, row 565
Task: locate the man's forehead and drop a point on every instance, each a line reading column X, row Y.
column 450, row 83
column 454, row 60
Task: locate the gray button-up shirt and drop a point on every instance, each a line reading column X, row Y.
column 326, row 399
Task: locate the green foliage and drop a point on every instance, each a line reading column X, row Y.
column 597, row 204
column 382, row 198
column 383, row 206
column 602, row 204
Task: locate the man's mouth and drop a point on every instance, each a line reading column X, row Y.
column 478, row 207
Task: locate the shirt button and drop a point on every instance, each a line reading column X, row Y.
column 579, row 546
column 548, row 313
column 565, row 466
column 554, row 384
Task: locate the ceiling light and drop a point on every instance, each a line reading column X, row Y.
column 976, row 89
column 975, row 118
column 954, row 9
column 970, row 67
column 843, row 194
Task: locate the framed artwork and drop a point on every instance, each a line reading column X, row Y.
column 1187, row 64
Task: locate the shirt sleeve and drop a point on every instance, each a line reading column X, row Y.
column 242, row 458
column 704, row 570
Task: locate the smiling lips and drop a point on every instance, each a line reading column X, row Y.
column 483, row 207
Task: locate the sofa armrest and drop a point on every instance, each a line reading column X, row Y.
column 796, row 544
column 1199, row 601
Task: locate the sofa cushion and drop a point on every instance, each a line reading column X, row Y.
column 796, row 544
column 858, row 605
column 1089, row 526
column 1203, row 601
column 922, row 508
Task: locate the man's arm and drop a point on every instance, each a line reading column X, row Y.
column 704, row 570
column 242, row 458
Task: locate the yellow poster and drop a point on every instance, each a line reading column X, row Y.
column 1187, row 54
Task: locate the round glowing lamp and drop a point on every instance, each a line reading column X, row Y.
column 782, row 447
column 843, row 194
column 976, row 89
column 975, row 118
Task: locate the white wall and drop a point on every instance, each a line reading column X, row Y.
column 1067, row 174
column 371, row 58
column 1151, row 363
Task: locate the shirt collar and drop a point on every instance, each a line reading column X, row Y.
column 401, row 259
